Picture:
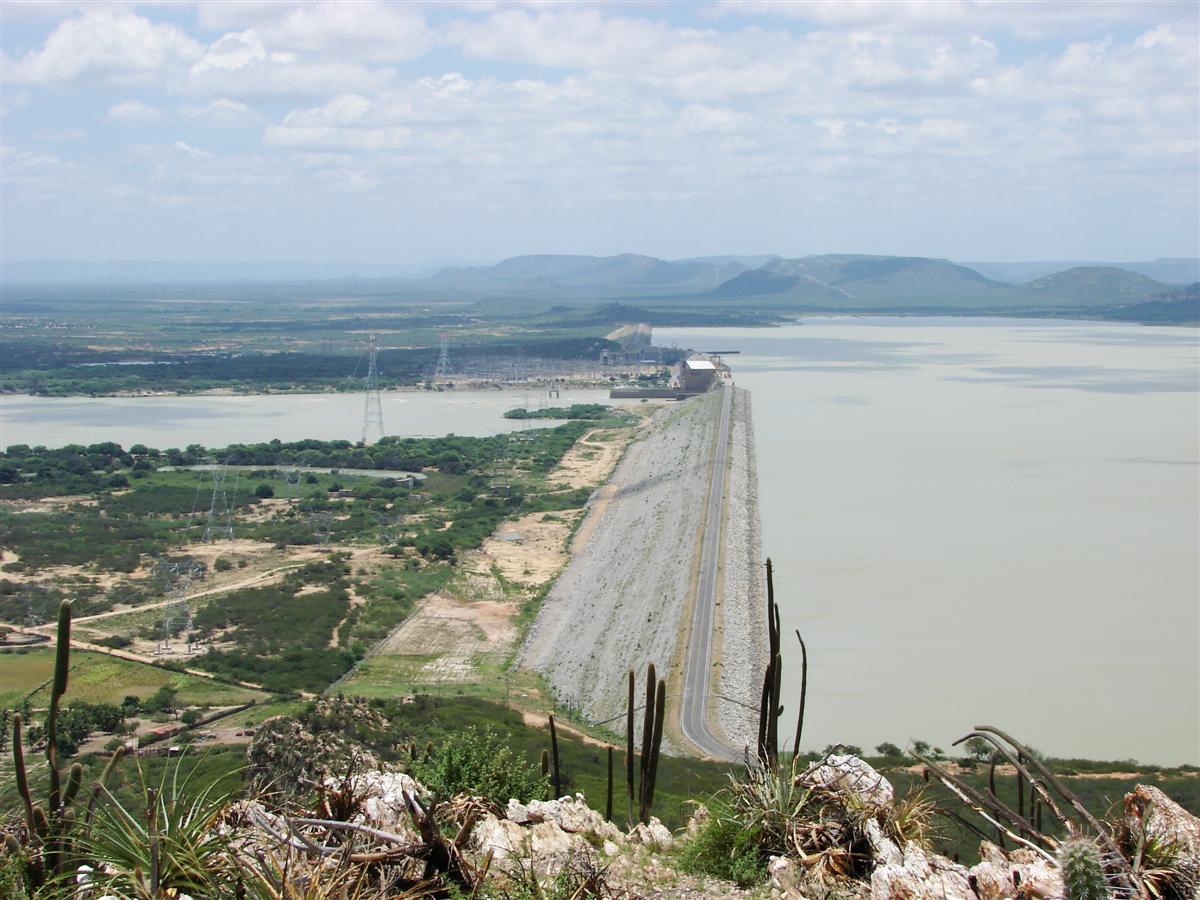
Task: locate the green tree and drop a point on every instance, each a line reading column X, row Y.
column 977, row 748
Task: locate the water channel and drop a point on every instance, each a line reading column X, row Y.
column 983, row 521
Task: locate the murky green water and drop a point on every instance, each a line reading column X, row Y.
column 983, row 521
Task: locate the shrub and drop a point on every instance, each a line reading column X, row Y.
column 480, row 762
column 264, row 492
column 724, row 849
column 222, row 564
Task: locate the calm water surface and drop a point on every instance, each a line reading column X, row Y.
column 219, row 421
column 983, row 521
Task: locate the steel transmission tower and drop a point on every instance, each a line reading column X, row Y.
column 373, row 405
column 443, row 370
column 177, row 616
column 220, row 512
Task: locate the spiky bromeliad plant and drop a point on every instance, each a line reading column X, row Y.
column 171, row 846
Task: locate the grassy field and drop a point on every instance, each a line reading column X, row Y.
column 97, row 678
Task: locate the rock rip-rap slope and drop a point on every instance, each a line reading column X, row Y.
column 620, row 603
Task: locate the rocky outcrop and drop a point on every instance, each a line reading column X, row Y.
column 858, row 808
column 851, row 777
column 1162, row 819
column 1000, row 875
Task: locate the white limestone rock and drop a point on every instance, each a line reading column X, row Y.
column 849, row 775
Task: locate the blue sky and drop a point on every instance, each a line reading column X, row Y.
column 396, row 133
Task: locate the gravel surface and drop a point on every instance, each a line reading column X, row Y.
column 742, row 610
column 619, row 603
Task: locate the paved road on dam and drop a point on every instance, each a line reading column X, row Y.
column 693, row 715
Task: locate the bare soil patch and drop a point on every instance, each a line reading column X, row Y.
column 454, row 631
column 530, row 548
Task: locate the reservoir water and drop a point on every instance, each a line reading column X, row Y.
column 973, row 520
column 217, row 421
column 982, row 521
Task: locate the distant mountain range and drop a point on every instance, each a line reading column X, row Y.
column 628, row 270
column 1171, row 270
column 831, row 281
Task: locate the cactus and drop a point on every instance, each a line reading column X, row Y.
column 629, row 751
column 652, row 730
column 48, row 834
column 554, row 754
column 608, row 797
column 647, row 732
column 660, row 705
column 769, row 709
column 1082, row 870
column 803, row 694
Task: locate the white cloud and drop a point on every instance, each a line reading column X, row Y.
column 367, row 30
column 107, row 47
column 221, row 113
column 239, row 64
column 580, row 106
column 1163, row 34
column 342, row 110
column 1028, row 18
column 193, row 152
column 232, row 51
column 697, row 117
column 133, row 112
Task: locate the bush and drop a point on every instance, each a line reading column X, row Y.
column 724, row 849
column 222, row 564
column 479, row 762
column 264, row 492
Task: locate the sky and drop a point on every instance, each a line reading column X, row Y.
column 378, row 132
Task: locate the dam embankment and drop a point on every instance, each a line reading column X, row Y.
column 625, row 599
column 741, row 621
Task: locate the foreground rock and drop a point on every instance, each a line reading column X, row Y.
column 850, row 840
column 897, row 869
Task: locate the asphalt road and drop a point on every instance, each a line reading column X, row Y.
column 697, row 678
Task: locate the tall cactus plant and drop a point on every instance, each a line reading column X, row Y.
column 554, row 757
column 49, row 828
column 652, row 731
column 769, row 707
column 629, row 749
